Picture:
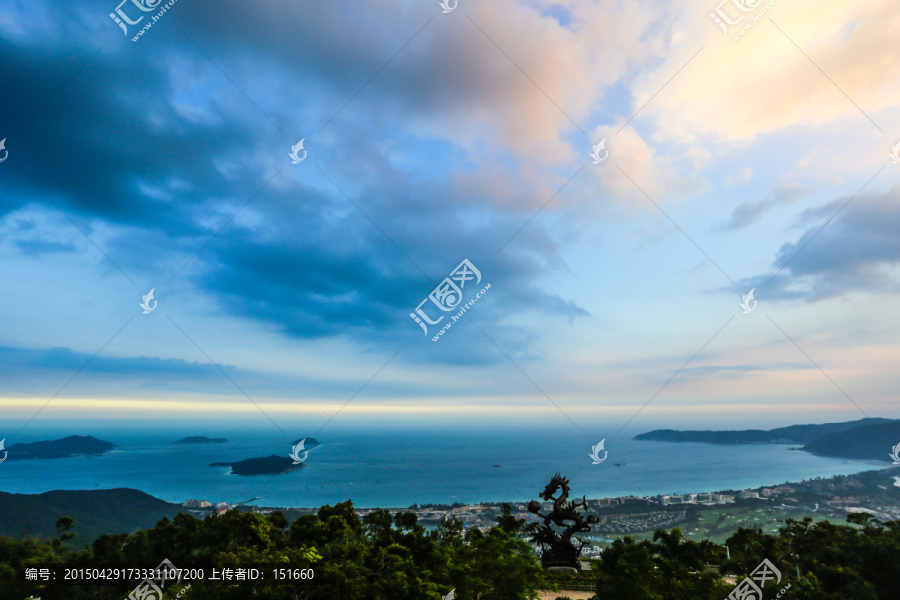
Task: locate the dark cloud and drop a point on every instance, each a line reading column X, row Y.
column 24, row 362
column 750, row 212
column 858, row 250
column 153, row 143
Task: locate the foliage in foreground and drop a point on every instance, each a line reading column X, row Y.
column 834, row 562
column 381, row 556
column 386, row 556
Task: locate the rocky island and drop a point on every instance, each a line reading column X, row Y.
column 200, row 439
column 74, row 445
column 267, row 465
column 309, row 444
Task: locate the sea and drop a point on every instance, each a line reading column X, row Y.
column 396, row 469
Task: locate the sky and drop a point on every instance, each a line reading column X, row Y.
column 285, row 291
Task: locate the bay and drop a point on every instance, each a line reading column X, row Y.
column 395, row 469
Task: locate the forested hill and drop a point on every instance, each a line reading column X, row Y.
column 120, row 510
column 868, row 441
column 74, row 445
column 796, row 434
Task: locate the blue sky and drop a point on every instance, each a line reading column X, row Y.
column 433, row 138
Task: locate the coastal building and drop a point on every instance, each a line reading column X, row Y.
column 631, row 500
column 197, row 504
column 843, row 501
column 765, row 492
column 709, row 498
column 667, row 500
column 745, row 494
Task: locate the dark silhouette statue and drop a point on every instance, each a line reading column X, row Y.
column 557, row 548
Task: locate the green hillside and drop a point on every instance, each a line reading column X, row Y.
column 868, row 441
column 796, row 434
column 96, row 512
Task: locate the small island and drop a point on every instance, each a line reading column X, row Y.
column 267, row 465
column 309, row 444
column 200, row 439
column 74, row 445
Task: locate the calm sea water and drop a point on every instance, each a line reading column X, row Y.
column 397, row 469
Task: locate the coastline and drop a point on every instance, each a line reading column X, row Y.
column 443, row 468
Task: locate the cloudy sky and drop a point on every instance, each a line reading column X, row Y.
column 285, row 290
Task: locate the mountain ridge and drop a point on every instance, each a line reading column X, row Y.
column 792, row 434
column 865, row 442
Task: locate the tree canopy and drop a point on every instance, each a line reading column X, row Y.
column 392, row 557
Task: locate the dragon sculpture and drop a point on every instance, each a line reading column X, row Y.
column 557, row 549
